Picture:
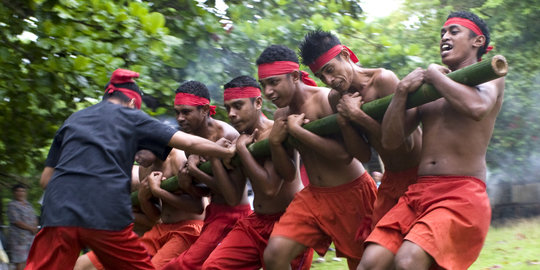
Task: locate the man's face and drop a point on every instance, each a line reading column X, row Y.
column 20, row 194
column 336, row 73
column 145, row 158
column 189, row 118
column 243, row 113
column 456, row 43
column 278, row 89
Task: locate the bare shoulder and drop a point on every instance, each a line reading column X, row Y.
column 177, row 155
column 321, row 99
column 229, row 132
column 385, row 81
column 496, row 85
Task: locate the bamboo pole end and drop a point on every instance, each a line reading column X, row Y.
column 499, row 64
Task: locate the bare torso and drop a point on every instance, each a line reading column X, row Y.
column 170, row 167
column 407, row 155
column 453, row 143
column 216, row 130
column 277, row 204
column 322, row 171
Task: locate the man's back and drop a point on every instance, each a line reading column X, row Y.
column 94, row 151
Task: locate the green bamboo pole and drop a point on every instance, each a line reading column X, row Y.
column 472, row 75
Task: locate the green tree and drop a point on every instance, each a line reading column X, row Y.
column 64, row 68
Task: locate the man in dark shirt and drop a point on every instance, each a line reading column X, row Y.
column 88, row 175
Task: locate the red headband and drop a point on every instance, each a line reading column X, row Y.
column 466, row 23
column 193, row 100
column 469, row 25
column 241, row 92
column 283, row 67
column 128, row 92
column 120, row 76
column 328, row 55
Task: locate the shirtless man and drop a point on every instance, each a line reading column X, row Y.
column 352, row 85
column 229, row 201
column 443, row 219
column 244, row 246
column 178, row 219
column 337, row 180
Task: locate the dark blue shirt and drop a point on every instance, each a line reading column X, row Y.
column 93, row 154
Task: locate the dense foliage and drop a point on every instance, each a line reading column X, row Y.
column 56, row 56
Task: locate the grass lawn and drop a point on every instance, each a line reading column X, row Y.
column 514, row 245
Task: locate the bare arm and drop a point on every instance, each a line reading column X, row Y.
column 281, row 159
column 328, row 148
column 193, row 169
column 184, row 202
column 150, row 210
column 46, row 176
column 199, row 145
column 349, row 107
column 474, row 102
column 264, row 178
column 231, row 184
column 355, row 144
column 398, row 123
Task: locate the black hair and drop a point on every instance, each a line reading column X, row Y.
column 17, row 186
column 119, row 95
column 195, row 88
column 315, row 44
column 479, row 22
column 275, row 53
column 242, row 81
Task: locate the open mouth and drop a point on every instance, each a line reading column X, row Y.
column 446, row 47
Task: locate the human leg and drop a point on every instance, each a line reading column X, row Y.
column 218, row 223
column 117, row 249
column 376, row 257
column 84, row 262
column 54, row 248
column 236, row 251
column 455, row 217
column 176, row 241
column 412, row 256
column 280, row 252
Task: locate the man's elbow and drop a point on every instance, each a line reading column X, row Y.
column 478, row 113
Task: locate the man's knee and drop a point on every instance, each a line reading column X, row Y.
column 84, row 263
column 272, row 253
column 280, row 251
column 412, row 256
column 376, row 257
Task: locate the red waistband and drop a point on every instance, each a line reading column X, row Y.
column 446, row 178
column 362, row 178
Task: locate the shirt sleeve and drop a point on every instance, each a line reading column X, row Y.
column 154, row 136
column 54, row 151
